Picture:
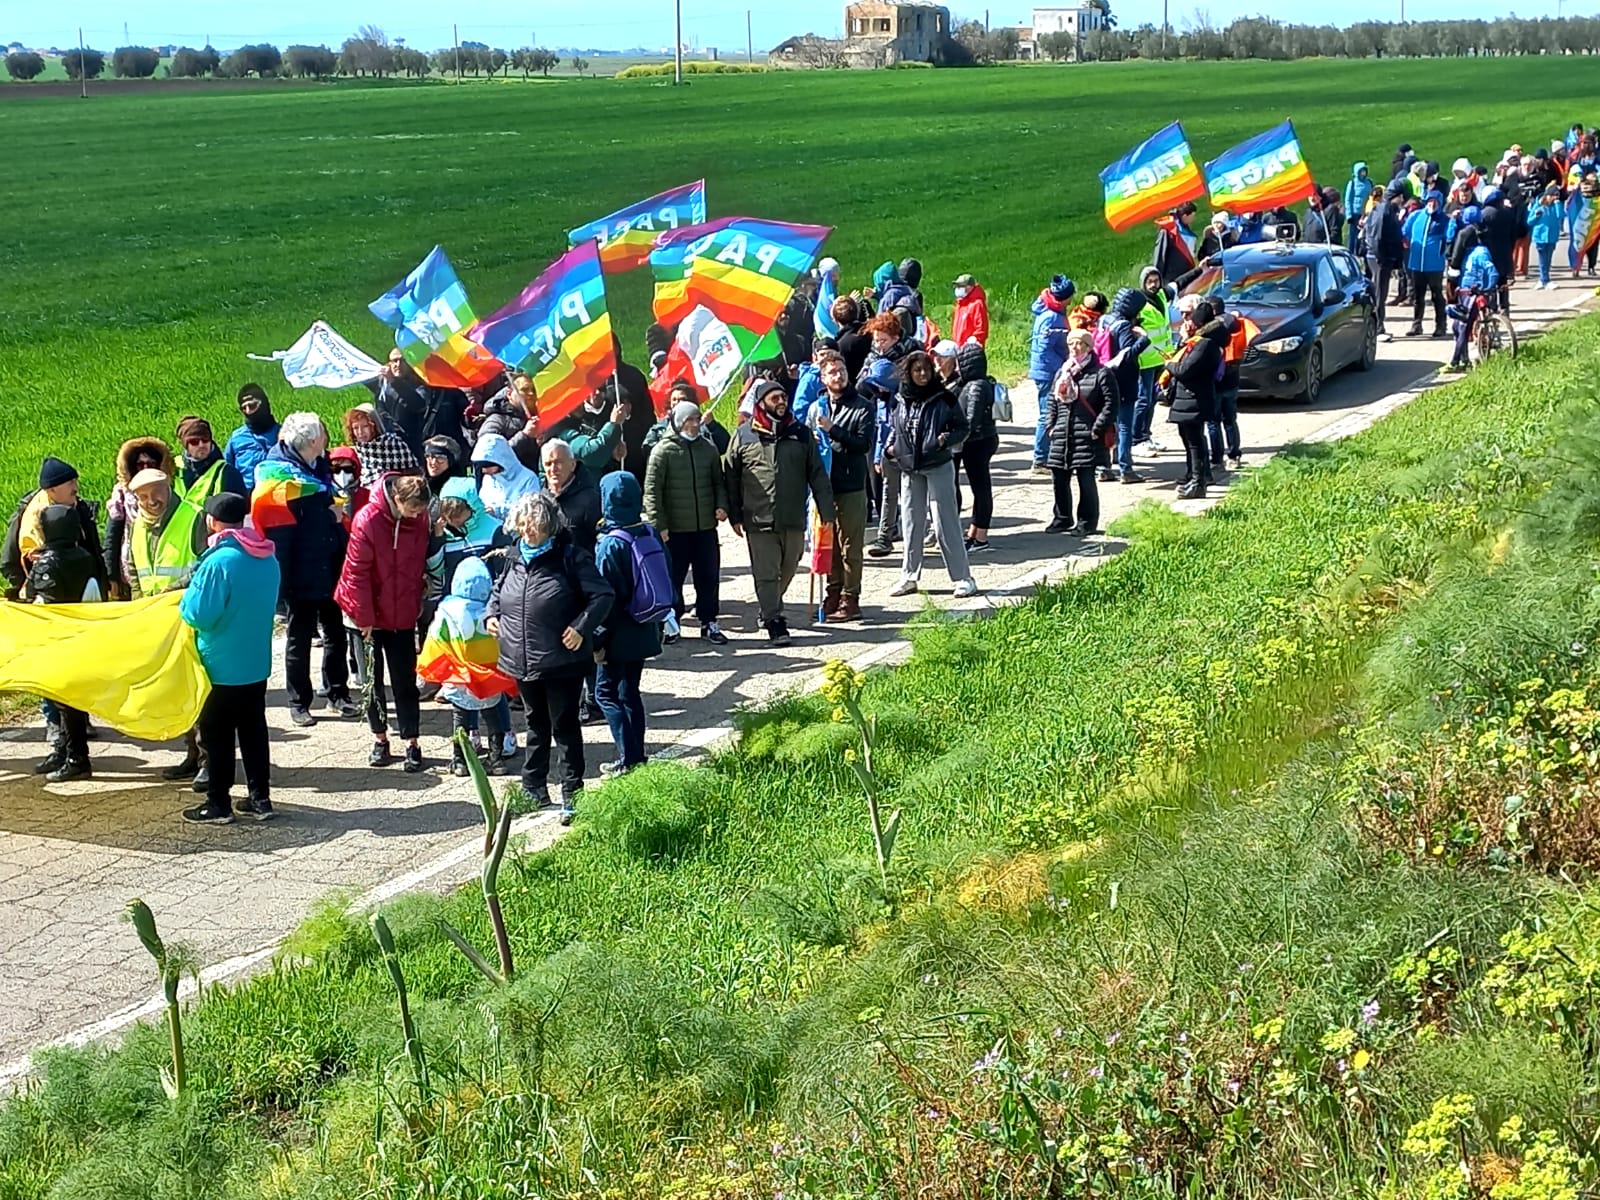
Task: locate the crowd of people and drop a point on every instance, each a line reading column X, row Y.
column 454, row 546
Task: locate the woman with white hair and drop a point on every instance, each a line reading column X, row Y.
column 292, row 503
column 545, row 612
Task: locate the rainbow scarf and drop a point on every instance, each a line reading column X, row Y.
column 461, row 652
column 279, row 483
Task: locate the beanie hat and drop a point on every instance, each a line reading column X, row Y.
column 1202, row 313
column 765, row 388
column 228, row 508
column 53, row 473
column 1061, row 288
column 682, row 411
column 192, row 426
column 880, row 377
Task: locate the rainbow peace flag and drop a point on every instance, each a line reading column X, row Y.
column 558, row 330
column 460, row 651
column 742, row 269
column 1582, row 228
column 1155, row 176
column 279, row 483
column 626, row 236
column 1261, row 173
column 430, row 315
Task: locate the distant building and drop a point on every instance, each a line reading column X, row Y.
column 880, row 34
column 1077, row 20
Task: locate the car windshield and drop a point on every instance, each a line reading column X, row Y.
column 1271, row 287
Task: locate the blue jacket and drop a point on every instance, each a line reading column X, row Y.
column 1544, row 222
column 245, row 450
column 1047, row 350
column 807, row 387
column 1357, row 192
column 1478, row 271
column 1426, row 237
column 624, row 639
column 230, row 603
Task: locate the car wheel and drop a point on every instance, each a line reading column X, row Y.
column 1369, row 346
column 1312, row 391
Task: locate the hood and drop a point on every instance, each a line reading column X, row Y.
column 1357, row 169
column 59, row 526
column 460, row 488
column 621, row 501
column 1128, row 303
column 885, row 275
column 256, row 545
column 492, row 448
column 973, row 361
column 344, row 454
column 1216, row 331
column 130, row 450
column 471, row 581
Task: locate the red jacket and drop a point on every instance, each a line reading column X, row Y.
column 971, row 321
column 385, row 565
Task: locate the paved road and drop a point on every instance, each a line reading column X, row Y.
column 72, row 856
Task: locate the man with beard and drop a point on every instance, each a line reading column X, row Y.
column 201, row 465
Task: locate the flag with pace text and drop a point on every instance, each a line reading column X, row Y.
column 1157, row 174
column 430, row 315
column 1262, row 173
column 626, row 236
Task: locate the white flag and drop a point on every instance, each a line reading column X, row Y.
column 712, row 353
column 321, row 358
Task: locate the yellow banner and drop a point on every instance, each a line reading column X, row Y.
column 134, row 666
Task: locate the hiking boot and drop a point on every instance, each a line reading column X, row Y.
column 187, row 769
column 257, row 808
column 52, row 761
column 830, row 602
column 207, row 814
column 880, row 549
column 380, row 756
column 848, row 609
column 70, row 769
column 301, row 718
column 712, row 632
column 413, row 763
column 494, row 762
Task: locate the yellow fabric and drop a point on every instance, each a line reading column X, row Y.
column 29, row 538
column 134, row 666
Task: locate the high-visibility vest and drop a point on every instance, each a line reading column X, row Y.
column 1157, row 326
column 166, row 559
column 203, row 488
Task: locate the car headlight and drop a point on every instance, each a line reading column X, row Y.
column 1280, row 345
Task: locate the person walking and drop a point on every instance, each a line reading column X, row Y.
column 1545, row 219
column 976, row 398
column 849, row 422
column 925, row 429
column 249, row 445
column 685, row 497
column 771, row 464
column 1083, row 410
column 546, row 610
column 633, row 562
column 292, row 503
column 970, row 321
column 230, row 603
column 380, row 589
column 1047, row 350
column 1195, row 370
column 1425, row 232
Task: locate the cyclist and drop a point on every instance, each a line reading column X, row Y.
column 1480, row 284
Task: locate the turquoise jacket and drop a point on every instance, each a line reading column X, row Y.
column 230, row 603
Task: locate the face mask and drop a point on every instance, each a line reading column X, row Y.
column 961, row 293
column 344, row 479
column 261, row 420
column 689, row 437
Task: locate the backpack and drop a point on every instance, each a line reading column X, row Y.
column 1002, row 403
column 653, row 594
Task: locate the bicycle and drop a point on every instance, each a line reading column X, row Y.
column 1492, row 332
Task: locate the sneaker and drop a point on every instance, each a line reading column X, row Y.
column 778, row 634
column 257, row 808
column 1235, row 462
column 879, row 550
column 1414, row 331
column 70, row 769
column 712, row 632
column 1145, row 450
column 187, row 769
column 976, row 547
column 205, row 814
column 1082, row 531
column 413, row 763
column 567, row 813
column 671, row 631
column 1130, row 477
column 380, row 756
column 610, row 770
column 965, row 588
column 1107, row 475
column 458, row 762
column 906, row 587
column 346, row 708
column 591, row 714
column 300, row 717
column 1058, row 525
column 931, row 542
column 1040, row 469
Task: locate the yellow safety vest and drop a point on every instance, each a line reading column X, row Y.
column 1158, row 328
column 165, row 560
column 203, row 488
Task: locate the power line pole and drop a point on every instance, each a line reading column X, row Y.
column 83, row 74
column 677, row 42
column 1164, row 27
column 749, row 40
column 455, row 36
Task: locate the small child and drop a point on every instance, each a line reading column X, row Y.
column 61, row 572
column 461, row 655
column 1478, row 278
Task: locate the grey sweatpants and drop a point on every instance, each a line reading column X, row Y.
column 774, row 555
column 919, row 489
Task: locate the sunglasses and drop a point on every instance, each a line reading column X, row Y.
column 197, row 441
column 435, row 454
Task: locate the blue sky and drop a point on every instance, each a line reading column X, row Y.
column 612, row 25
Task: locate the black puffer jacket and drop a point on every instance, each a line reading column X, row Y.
column 310, row 548
column 1195, row 375
column 580, row 505
column 1077, row 425
column 926, row 426
column 536, row 601
column 855, row 427
column 502, row 414
column 976, row 396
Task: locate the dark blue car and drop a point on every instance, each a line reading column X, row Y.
column 1312, row 309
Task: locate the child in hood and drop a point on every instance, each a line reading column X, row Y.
column 460, row 656
column 349, row 497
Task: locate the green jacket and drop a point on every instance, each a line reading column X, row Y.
column 683, row 485
column 768, row 475
column 593, row 439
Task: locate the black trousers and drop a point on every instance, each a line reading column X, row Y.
column 551, row 705
column 236, row 712
column 304, row 617
column 1088, row 495
column 75, row 731
column 1197, row 465
column 700, row 552
column 1423, row 285
column 975, row 458
column 397, row 647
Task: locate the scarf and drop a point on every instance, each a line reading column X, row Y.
column 529, row 553
column 280, row 482
column 1050, row 302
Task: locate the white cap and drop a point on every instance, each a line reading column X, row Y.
column 828, row 266
column 945, row 349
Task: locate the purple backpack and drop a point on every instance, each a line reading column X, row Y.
column 653, row 595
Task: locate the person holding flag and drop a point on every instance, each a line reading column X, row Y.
column 685, row 496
